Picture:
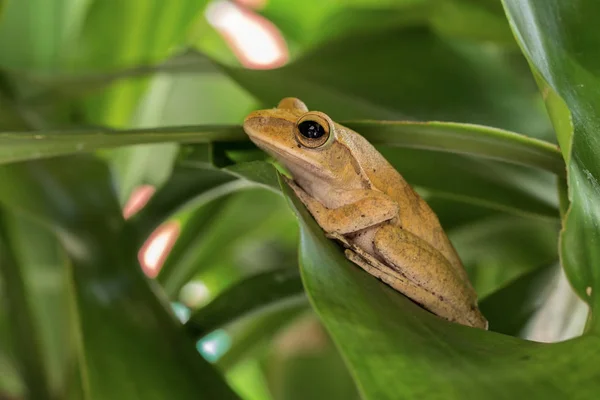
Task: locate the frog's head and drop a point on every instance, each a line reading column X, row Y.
column 306, row 142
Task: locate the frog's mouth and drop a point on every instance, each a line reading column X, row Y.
column 292, row 161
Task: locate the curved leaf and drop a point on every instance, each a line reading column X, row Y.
column 424, row 78
column 395, row 349
column 303, row 363
column 117, row 34
column 120, row 316
column 523, row 297
column 45, row 274
column 471, row 139
column 495, row 185
column 451, row 137
column 561, row 43
column 34, row 145
column 25, row 331
column 184, row 186
column 248, row 296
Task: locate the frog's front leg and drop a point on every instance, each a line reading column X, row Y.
column 434, row 283
column 369, row 209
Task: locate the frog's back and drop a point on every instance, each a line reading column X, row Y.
column 415, row 214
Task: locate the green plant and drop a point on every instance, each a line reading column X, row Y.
column 102, row 96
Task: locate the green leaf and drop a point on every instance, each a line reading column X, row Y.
column 304, row 364
column 499, row 248
column 523, row 297
column 479, row 20
column 45, row 274
column 442, row 136
column 424, row 78
column 25, row 332
column 395, row 349
column 119, row 314
column 269, row 288
column 471, row 139
column 476, row 181
column 35, row 145
column 41, row 29
column 186, row 187
column 118, row 34
column 561, row 43
column 176, row 99
column 225, row 231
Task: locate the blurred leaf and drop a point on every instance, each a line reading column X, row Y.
column 487, row 183
column 423, row 78
column 396, row 349
column 217, row 237
column 499, row 248
column 149, row 164
column 118, row 34
column 45, row 274
column 304, row 364
column 178, row 99
column 70, row 195
column 42, row 28
column 251, row 336
column 34, row 145
column 471, row 19
column 194, row 226
column 560, row 41
column 184, row 186
column 509, row 309
column 247, row 378
column 481, row 20
column 562, row 316
column 248, row 296
column 25, row 332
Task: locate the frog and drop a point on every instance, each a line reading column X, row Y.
column 363, row 203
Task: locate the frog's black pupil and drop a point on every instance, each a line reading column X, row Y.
column 311, row 129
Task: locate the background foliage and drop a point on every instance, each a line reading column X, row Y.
column 100, row 97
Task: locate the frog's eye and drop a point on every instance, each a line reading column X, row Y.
column 313, row 130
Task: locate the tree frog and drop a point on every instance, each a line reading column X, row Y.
column 362, row 202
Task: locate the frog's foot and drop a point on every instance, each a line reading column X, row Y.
column 358, row 252
column 394, row 278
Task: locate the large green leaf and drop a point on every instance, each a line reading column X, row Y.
column 304, row 364
column 175, row 99
column 523, row 297
column 395, row 349
column 34, row 145
column 561, row 43
column 499, row 248
column 118, row 34
column 448, row 137
column 45, row 277
column 423, row 78
column 24, row 327
column 246, row 297
column 495, row 185
column 41, row 29
column 226, row 231
column 482, row 20
column 123, row 326
column 471, row 139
